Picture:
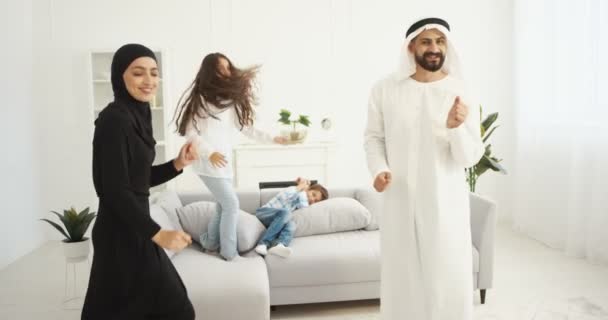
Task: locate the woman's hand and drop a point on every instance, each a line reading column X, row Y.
column 187, row 154
column 218, row 160
column 172, row 240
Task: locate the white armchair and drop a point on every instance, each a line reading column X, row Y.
column 483, row 232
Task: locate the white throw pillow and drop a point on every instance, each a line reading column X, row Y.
column 329, row 216
column 195, row 218
column 169, row 201
column 372, row 200
column 159, row 216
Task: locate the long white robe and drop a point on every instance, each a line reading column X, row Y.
column 425, row 225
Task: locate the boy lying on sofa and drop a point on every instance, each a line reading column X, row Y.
column 276, row 215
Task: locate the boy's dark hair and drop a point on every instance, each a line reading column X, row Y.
column 321, row 189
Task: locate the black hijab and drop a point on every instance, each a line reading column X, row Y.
column 139, row 111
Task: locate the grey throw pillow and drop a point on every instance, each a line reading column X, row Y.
column 160, row 216
column 196, row 216
column 372, row 200
column 329, row 216
column 169, row 201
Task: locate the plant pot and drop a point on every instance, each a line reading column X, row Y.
column 76, row 251
column 295, row 136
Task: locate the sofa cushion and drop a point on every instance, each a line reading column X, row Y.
column 267, row 194
column 371, row 200
column 249, row 199
column 329, row 216
column 195, row 218
column 170, row 202
column 160, row 216
column 224, row 290
column 335, row 258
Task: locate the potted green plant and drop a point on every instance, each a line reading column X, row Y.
column 487, row 161
column 293, row 134
column 76, row 246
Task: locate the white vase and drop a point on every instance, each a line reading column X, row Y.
column 76, row 251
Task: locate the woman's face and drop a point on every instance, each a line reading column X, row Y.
column 224, row 67
column 141, row 79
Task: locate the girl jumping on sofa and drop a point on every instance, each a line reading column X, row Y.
column 219, row 105
column 276, row 216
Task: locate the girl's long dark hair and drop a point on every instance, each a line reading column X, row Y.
column 236, row 90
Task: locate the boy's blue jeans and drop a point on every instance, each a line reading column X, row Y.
column 279, row 227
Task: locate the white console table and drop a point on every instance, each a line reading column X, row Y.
column 254, row 163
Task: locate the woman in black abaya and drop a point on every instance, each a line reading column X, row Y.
column 131, row 276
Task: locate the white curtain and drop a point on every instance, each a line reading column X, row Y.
column 560, row 194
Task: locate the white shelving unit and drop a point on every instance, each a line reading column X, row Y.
column 102, row 94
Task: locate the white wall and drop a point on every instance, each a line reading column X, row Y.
column 20, row 191
column 319, row 57
column 488, row 55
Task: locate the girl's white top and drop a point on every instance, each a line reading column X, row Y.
column 219, row 135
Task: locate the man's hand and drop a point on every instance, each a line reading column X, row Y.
column 457, row 114
column 172, row 240
column 382, row 181
column 218, row 160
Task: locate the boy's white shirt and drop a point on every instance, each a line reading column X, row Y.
column 219, row 135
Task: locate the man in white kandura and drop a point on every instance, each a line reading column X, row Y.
column 422, row 132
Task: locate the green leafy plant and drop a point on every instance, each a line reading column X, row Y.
column 487, row 161
column 75, row 223
column 285, row 119
column 294, row 135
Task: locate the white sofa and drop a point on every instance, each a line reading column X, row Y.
column 331, row 267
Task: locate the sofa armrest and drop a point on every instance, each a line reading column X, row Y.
column 483, row 232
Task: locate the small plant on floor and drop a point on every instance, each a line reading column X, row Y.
column 487, row 161
column 294, row 135
column 75, row 223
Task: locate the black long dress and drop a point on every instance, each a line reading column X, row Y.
column 131, row 276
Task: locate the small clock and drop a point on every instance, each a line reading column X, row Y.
column 326, row 123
